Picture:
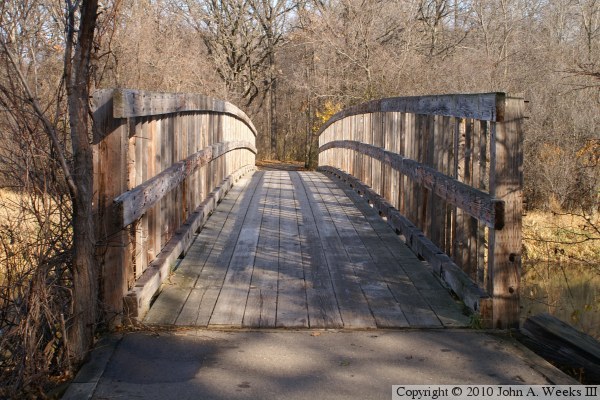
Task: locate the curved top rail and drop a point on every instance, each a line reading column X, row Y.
column 481, row 106
column 129, row 103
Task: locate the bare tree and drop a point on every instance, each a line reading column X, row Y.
column 273, row 17
column 81, row 25
column 242, row 38
column 233, row 41
column 590, row 24
column 77, row 45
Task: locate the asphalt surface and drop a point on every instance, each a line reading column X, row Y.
column 278, row 364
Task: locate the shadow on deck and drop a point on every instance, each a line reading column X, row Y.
column 293, row 249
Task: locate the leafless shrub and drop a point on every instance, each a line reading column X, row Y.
column 35, row 287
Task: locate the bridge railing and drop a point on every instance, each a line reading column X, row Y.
column 161, row 163
column 446, row 172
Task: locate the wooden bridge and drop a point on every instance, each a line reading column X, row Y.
column 417, row 202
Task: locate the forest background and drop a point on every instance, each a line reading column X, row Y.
column 290, row 65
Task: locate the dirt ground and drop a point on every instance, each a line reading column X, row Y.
column 274, row 165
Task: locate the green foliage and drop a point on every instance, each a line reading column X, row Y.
column 475, row 321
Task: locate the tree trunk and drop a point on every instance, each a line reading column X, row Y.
column 85, row 280
column 273, row 107
column 85, row 271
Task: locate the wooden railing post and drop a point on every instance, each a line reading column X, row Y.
column 506, row 182
column 111, row 178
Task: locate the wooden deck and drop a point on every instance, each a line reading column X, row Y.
column 294, row 249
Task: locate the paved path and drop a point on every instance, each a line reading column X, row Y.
column 307, row 364
column 292, row 249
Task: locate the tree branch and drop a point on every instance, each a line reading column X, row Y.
column 49, row 128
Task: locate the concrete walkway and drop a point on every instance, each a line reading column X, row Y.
column 306, row 364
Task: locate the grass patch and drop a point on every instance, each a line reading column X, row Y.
column 561, row 237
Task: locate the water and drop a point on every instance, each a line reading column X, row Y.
column 569, row 292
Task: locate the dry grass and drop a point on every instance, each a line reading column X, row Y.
column 10, row 224
column 9, row 202
column 20, row 229
column 561, row 237
column 35, row 292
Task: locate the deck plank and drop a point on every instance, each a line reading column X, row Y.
column 292, row 309
column 165, row 311
column 322, row 306
column 189, row 313
column 212, row 275
column 353, row 306
column 261, row 308
column 295, row 249
column 231, row 303
column 386, row 310
column 192, row 264
column 417, row 310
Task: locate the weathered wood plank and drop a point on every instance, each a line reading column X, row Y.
column 135, row 202
column 563, row 344
column 450, row 312
column 115, row 244
column 289, row 238
column 353, row 306
column 483, row 183
column 230, row 307
column 480, row 106
column 416, row 309
column 209, row 299
column 261, row 308
column 141, row 228
column 166, row 311
column 189, row 312
column 128, row 103
column 323, row 310
column 445, row 166
column 386, row 310
column 292, row 311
